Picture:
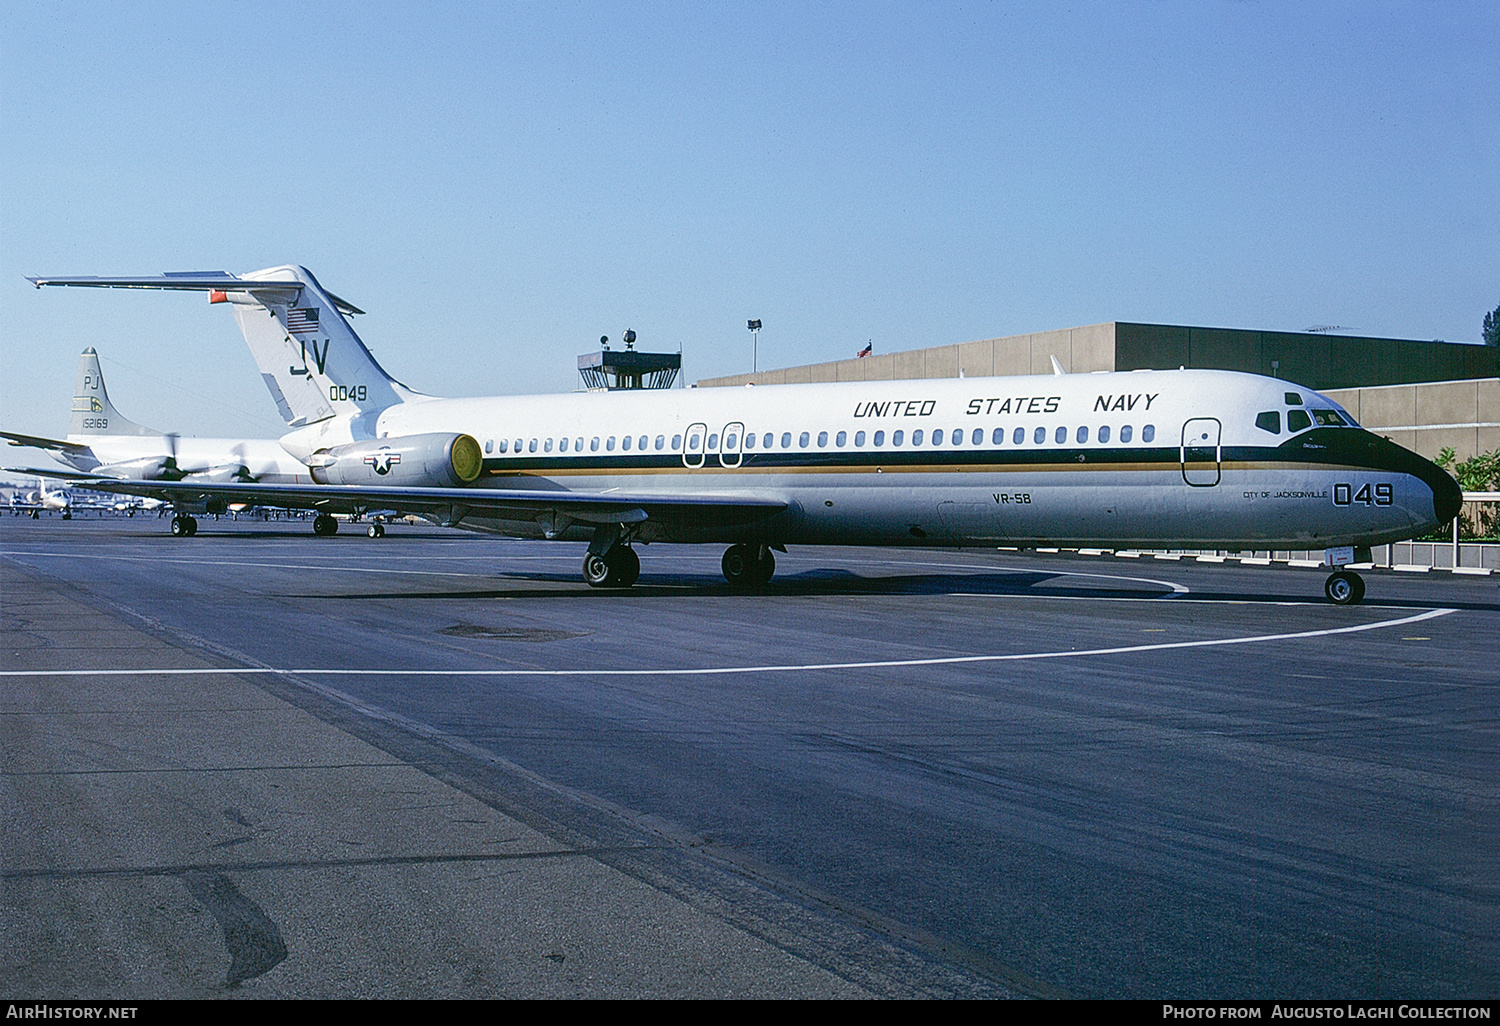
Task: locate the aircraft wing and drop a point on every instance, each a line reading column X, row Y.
column 449, row 506
column 56, row 474
column 37, row 442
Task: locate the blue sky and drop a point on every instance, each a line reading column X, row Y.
column 499, row 185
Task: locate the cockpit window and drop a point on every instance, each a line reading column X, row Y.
column 1297, row 420
column 1293, row 399
column 1269, row 421
column 1328, row 418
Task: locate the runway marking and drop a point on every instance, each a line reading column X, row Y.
column 705, row 671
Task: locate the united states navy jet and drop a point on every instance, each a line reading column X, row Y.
column 1194, row 459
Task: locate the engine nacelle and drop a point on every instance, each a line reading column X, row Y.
column 421, row 461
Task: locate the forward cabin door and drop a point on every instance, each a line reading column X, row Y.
column 1201, row 453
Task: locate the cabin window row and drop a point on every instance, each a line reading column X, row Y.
column 955, row 438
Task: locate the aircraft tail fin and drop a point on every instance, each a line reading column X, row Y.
column 310, row 358
column 93, row 413
column 309, row 355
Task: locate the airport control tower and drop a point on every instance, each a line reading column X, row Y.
column 610, row 370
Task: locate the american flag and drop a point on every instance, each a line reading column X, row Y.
column 302, row 322
column 869, row 347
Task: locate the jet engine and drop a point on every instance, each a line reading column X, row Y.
column 420, row 461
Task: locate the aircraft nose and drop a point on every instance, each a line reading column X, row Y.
column 1447, row 498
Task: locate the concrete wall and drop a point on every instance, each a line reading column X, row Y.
column 1426, row 417
column 1316, row 361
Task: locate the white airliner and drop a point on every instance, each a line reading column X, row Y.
column 101, row 443
column 1151, row 459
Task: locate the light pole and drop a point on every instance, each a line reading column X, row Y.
column 754, row 327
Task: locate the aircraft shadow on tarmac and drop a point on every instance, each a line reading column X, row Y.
column 832, row 581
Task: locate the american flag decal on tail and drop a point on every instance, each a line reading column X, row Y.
column 302, row 322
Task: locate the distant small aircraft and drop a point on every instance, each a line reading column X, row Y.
column 1192, row 459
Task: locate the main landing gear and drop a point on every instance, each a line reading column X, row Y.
column 324, row 526
column 748, row 566
column 1344, row 588
column 617, row 568
column 184, row 526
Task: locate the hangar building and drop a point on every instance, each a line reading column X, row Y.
column 1423, row 395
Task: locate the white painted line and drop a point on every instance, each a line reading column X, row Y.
column 709, row 671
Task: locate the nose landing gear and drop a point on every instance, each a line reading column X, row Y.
column 1344, row 588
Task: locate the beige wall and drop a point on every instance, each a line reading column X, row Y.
column 1426, row 417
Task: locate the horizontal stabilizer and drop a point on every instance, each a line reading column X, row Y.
column 192, row 281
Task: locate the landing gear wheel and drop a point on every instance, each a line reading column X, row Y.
column 1344, row 588
column 747, row 566
column 617, row 568
column 324, row 525
column 377, row 531
column 184, row 526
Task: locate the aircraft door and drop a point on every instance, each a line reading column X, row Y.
column 1201, row 453
column 694, row 445
column 730, row 448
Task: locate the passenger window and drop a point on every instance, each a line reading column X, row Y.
column 1297, row 420
column 489, row 446
column 1125, row 433
column 786, row 439
column 840, row 438
column 1039, row 435
column 547, row 445
column 937, row 437
column 1269, row 421
column 609, row 444
column 802, row 440
column 642, row 443
column 532, row 446
column 1293, row 399
column 822, row 439
column 713, row 441
column 676, row 442
column 594, row 444
column 578, row 445
column 1148, row 433
column 625, row 443
column 1060, row 436
column 957, row 434
column 562, row 445
column 731, row 441
column 978, row 438
column 749, row 440
column 1019, row 437
column 879, row 438
column 916, row 437
column 765, row 442
column 1083, row 435
column 997, row 437
column 1104, row 434
column 859, row 438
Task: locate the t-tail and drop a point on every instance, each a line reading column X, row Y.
column 323, row 379
column 309, row 355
